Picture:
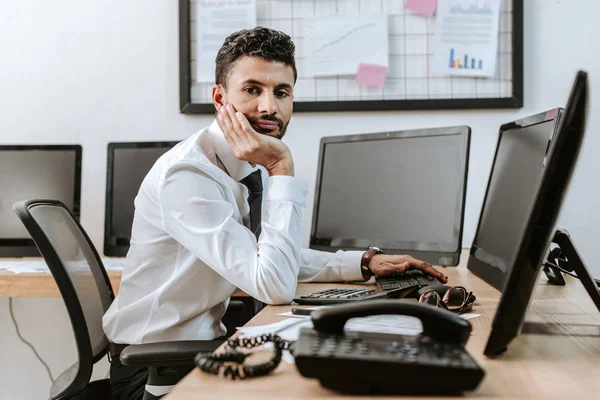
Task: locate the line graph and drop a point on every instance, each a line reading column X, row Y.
column 338, row 44
column 346, row 35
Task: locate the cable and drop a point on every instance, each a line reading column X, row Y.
column 12, row 315
column 230, row 362
column 564, row 271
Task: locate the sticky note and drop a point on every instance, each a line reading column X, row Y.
column 372, row 75
column 423, row 7
column 551, row 114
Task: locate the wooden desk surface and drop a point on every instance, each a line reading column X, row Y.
column 43, row 285
column 534, row 365
column 39, row 284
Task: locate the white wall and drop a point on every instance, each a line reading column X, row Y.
column 92, row 72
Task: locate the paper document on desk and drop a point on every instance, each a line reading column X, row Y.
column 113, row 264
column 287, row 329
column 24, row 266
column 37, row 266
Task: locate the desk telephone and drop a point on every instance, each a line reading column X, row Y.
column 434, row 362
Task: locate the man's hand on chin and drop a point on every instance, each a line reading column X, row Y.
column 251, row 146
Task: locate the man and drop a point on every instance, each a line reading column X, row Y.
column 198, row 234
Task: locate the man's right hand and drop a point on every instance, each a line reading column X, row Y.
column 251, row 146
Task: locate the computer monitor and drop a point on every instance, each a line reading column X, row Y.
column 515, row 177
column 127, row 166
column 35, row 172
column 538, row 230
column 403, row 192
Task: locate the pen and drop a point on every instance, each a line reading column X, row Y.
column 301, row 311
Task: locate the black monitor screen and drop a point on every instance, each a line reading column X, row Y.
column 400, row 191
column 514, row 180
column 128, row 164
column 35, row 172
column 539, row 223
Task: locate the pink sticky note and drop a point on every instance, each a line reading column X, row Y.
column 423, row 7
column 372, row 75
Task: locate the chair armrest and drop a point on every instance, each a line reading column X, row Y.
column 166, row 354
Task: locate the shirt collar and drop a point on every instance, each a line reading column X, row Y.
column 237, row 169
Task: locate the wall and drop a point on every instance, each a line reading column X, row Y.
column 94, row 71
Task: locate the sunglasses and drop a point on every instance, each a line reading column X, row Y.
column 456, row 299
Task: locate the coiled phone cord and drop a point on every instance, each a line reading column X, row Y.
column 230, row 363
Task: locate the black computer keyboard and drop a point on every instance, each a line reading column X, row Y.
column 343, row 295
column 407, row 279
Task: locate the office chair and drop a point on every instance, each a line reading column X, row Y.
column 87, row 294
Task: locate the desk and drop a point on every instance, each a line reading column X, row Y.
column 534, row 365
column 39, row 284
column 43, row 285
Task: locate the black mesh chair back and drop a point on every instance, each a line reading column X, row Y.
column 83, row 284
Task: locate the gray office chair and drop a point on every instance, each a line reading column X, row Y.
column 87, row 294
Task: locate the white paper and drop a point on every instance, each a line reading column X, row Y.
column 215, row 20
column 113, row 264
column 469, row 316
column 37, row 266
column 287, row 329
column 466, row 41
column 336, row 45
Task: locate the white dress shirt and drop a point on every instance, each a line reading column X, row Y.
column 191, row 247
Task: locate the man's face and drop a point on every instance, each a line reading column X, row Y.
column 261, row 90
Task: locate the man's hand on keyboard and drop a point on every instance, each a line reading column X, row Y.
column 389, row 264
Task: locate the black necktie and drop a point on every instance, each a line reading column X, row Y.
column 254, row 184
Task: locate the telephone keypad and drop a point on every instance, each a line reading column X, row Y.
column 415, row 351
column 433, row 362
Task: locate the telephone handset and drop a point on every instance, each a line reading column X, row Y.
column 433, row 362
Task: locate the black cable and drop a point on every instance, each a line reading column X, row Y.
column 12, row 315
column 564, row 271
column 230, row 363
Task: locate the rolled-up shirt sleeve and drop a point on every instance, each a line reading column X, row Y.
column 195, row 212
column 322, row 266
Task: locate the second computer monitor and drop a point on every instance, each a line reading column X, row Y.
column 35, row 172
column 516, row 174
column 539, row 222
column 127, row 166
column 401, row 191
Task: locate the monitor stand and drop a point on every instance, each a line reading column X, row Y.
column 570, row 262
column 575, row 264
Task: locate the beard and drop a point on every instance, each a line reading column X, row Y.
column 278, row 133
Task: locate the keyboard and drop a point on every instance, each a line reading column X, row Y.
column 346, row 295
column 406, row 279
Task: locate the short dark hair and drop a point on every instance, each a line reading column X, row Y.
column 270, row 44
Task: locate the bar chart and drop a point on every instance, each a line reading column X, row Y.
column 464, row 62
